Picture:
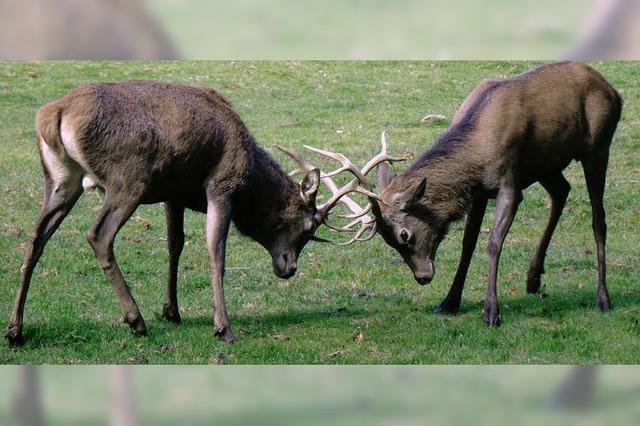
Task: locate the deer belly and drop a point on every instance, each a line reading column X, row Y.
column 542, row 159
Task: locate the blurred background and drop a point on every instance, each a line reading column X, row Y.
column 319, row 29
column 366, row 395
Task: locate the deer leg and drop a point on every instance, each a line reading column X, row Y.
column 218, row 221
column 507, row 203
column 558, row 188
column 175, row 243
column 217, row 228
column 595, row 171
column 101, row 236
column 451, row 303
column 59, row 199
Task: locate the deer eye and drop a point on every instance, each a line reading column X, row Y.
column 404, row 235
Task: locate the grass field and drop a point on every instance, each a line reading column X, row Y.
column 346, row 305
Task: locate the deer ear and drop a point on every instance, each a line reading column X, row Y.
column 383, row 176
column 413, row 195
column 309, row 186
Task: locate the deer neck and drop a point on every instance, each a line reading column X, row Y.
column 454, row 175
column 267, row 192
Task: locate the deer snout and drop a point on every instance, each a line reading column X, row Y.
column 424, row 273
column 285, row 265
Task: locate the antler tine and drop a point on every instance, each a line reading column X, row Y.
column 334, row 227
column 381, row 157
column 305, row 166
column 347, row 165
column 360, row 233
column 364, row 211
column 337, row 195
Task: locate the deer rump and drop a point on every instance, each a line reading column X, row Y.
column 158, row 141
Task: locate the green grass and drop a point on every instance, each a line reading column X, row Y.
column 72, row 314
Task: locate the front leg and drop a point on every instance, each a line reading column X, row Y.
column 507, row 203
column 451, row 304
column 218, row 221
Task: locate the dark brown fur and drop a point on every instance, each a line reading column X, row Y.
column 506, row 135
column 147, row 142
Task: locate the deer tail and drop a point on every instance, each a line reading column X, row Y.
column 48, row 120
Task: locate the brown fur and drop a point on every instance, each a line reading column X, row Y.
column 533, row 124
column 48, row 126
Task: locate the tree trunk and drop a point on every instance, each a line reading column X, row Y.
column 577, row 391
column 611, row 32
column 123, row 408
column 27, row 404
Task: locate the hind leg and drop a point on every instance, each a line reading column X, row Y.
column 101, row 236
column 175, row 242
column 59, row 198
column 595, row 172
column 558, row 188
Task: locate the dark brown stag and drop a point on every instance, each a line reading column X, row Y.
column 507, row 135
column 146, row 142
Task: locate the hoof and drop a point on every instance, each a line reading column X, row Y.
column 604, row 305
column 138, row 326
column 14, row 335
column 533, row 284
column 492, row 317
column 171, row 314
column 447, row 307
column 224, row 334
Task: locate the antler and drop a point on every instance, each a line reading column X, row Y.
column 361, row 215
column 347, row 165
column 359, row 185
column 338, row 195
column 381, row 157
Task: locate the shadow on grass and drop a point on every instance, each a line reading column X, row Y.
column 282, row 319
column 82, row 339
column 550, row 304
column 73, row 333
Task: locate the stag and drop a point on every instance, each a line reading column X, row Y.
column 145, row 142
column 507, row 135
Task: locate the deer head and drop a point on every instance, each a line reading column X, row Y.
column 286, row 236
column 397, row 212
